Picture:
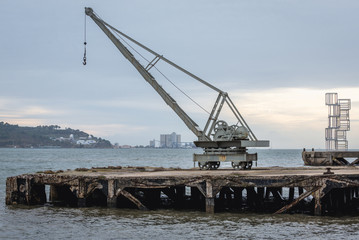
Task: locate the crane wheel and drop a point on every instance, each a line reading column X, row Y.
column 204, row 166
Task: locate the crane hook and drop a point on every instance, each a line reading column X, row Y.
column 84, row 58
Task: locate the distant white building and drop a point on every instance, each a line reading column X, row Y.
column 69, row 139
column 172, row 140
column 85, row 142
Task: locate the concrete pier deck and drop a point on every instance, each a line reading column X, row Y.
column 316, row 190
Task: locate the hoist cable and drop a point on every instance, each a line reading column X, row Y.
column 182, row 91
column 118, row 35
column 84, row 58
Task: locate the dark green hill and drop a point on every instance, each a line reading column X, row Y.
column 48, row 136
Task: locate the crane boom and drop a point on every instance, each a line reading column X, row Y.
column 147, row 76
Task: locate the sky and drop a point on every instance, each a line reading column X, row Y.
column 276, row 59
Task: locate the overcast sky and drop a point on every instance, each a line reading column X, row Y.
column 275, row 58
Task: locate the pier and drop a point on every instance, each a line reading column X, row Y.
column 330, row 158
column 311, row 190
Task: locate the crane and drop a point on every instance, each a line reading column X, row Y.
column 220, row 141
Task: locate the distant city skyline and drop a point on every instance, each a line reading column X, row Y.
column 172, row 140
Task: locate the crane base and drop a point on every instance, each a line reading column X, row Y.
column 233, row 143
column 212, row 161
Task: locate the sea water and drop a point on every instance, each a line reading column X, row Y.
column 47, row 222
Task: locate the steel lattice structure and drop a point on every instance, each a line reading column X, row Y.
column 338, row 122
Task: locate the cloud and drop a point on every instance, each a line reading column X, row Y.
column 292, row 116
column 276, row 61
column 111, row 130
column 114, row 103
column 38, row 111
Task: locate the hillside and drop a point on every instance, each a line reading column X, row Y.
column 48, row 136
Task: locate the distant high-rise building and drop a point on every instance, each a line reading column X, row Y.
column 153, row 143
column 178, row 140
column 172, row 140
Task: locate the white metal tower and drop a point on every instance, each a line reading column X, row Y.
column 339, row 123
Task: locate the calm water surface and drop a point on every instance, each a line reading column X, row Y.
column 44, row 222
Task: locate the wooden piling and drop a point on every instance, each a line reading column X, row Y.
column 111, row 194
column 209, row 197
column 291, row 194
